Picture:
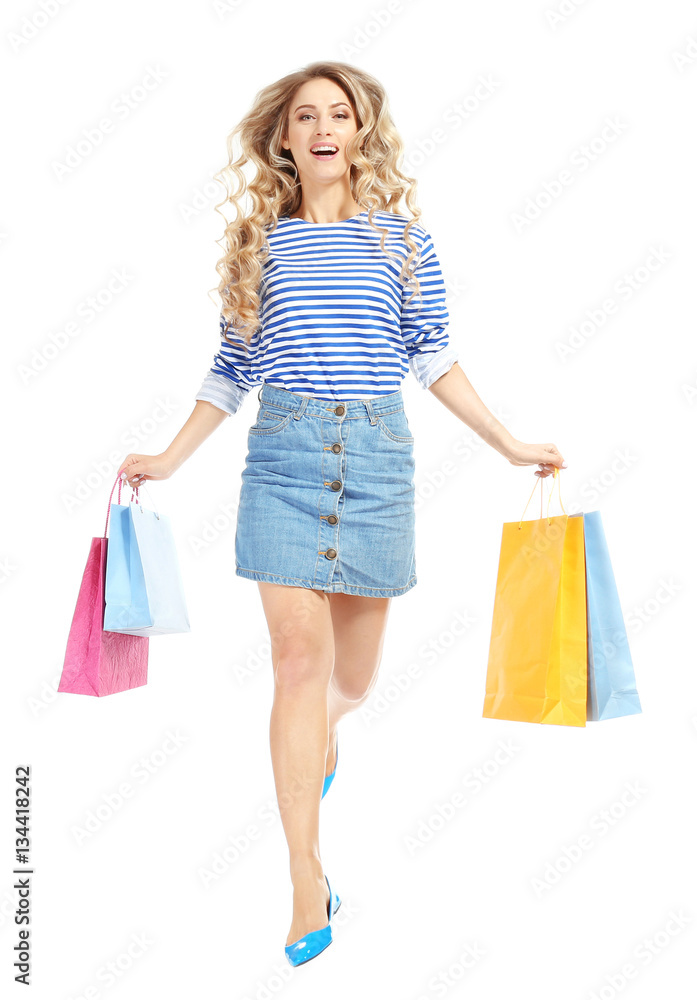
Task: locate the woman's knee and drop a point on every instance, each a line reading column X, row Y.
column 299, row 668
column 302, row 640
column 355, row 690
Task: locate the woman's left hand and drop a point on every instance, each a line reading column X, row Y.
column 547, row 457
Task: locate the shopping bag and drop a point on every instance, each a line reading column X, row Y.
column 612, row 689
column 144, row 589
column 538, row 656
column 125, row 594
column 518, row 680
column 99, row 662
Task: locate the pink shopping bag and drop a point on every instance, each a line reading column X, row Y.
column 98, row 662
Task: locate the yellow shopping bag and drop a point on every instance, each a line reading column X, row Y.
column 538, row 654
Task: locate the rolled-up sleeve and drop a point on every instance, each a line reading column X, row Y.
column 232, row 374
column 425, row 322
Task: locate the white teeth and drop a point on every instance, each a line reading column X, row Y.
column 329, row 149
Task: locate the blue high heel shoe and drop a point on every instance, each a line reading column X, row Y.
column 313, row 943
column 330, row 777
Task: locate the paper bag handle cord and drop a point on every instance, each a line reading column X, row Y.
column 540, row 478
column 134, row 496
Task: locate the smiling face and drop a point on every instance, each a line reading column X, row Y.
column 320, row 117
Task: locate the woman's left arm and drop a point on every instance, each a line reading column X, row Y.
column 456, row 393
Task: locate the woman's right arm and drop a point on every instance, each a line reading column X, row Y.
column 200, row 425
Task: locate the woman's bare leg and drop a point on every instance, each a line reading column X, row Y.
column 359, row 625
column 302, row 650
column 326, row 650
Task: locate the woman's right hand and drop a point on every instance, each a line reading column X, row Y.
column 138, row 468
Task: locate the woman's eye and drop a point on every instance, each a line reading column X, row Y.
column 339, row 114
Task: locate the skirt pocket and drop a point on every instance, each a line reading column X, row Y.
column 270, row 419
column 395, row 426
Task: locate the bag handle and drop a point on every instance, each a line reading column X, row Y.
column 134, row 495
column 540, row 478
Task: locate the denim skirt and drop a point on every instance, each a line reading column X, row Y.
column 327, row 495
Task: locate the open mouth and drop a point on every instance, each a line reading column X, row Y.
column 325, row 151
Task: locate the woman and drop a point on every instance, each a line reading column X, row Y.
column 334, row 296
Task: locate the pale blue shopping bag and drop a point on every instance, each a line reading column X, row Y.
column 612, row 688
column 144, row 592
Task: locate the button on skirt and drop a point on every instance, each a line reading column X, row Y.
column 327, row 495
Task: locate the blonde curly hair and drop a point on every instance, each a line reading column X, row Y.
column 377, row 183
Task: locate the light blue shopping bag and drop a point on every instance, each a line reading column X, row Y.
column 611, row 682
column 144, row 593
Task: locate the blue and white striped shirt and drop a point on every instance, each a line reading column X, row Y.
column 334, row 323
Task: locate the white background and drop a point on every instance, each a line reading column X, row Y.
column 620, row 407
